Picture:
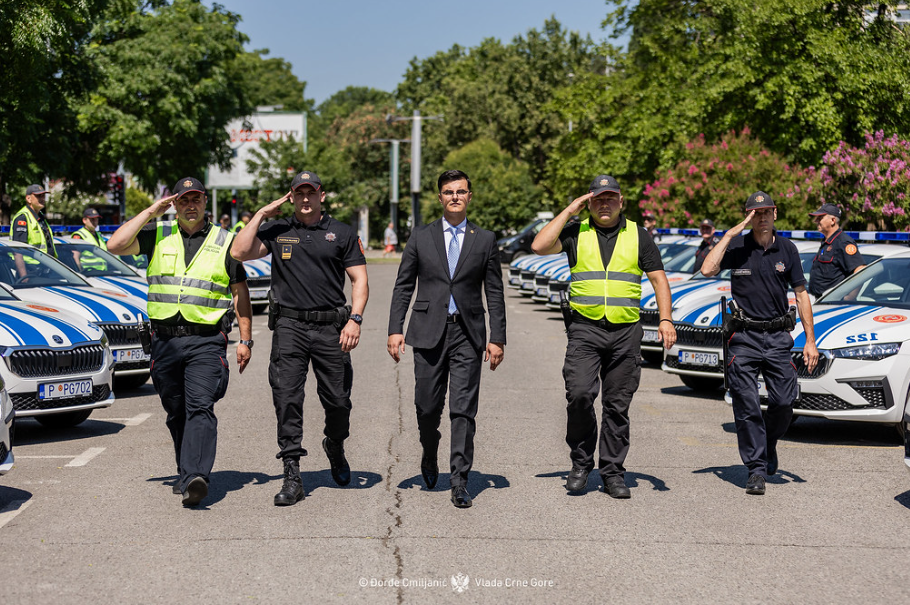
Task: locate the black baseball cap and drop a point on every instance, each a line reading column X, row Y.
column 759, row 199
column 35, row 190
column 707, row 223
column 827, row 209
column 90, row 213
column 307, row 177
column 647, row 214
column 187, row 185
column 603, row 183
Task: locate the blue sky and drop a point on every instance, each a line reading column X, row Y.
column 333, row 44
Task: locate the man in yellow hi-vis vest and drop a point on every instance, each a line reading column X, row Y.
column 89, row 234
column 193, row 282
column 29, row 226
column 607, row 255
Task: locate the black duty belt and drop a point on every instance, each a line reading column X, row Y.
column 770, row 325
column 186, row 330
column 600, row 323
column 319, row 317
column 453, row 318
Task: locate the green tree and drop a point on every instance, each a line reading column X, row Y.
column 271, row 82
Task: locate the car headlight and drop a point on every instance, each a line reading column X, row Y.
column 870, row 352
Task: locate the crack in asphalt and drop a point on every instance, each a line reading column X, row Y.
column 395, row 511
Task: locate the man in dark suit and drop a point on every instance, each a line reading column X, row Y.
column 453, row 262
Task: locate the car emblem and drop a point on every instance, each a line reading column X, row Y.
column 330, row 237
column 889, row 319
column 780, row 267
column 127, row 317
column 57, row 339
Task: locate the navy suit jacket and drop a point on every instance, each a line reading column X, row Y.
column 424, row 264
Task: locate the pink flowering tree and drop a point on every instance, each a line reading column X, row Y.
column 872, row 183
column 713, row 181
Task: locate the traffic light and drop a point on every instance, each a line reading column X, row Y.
column 234, row 202
column 118, row 188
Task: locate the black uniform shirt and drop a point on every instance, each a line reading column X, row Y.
column 648, row 253
column 702, row 253
column 837, row 258
column 309, row 262
column 191, row 243
column 762, row 277
column 20, row 229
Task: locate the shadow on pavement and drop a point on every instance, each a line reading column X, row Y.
column 595, row 482
column 903, row 499
column 477, row 483
column 313, row 480
column 31, row 432
column 822, row 431
column 684, row 391
column 11, row 495
column 738, row 475
column 221, row 483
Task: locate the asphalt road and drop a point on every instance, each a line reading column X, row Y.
column 87, row 515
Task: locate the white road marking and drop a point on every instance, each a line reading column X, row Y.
column 12, row 509
column 42, row 457
column 86, row 456
column 134, row 421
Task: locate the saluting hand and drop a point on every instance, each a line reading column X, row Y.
column 736, row 230
column 243, row 356
column 578, row 204
column 274, row 209
column 161, row 206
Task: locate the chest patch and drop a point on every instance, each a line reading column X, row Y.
column 742, row 271
column 780, row 267
column 286, row 250
column 287, row 240
column 330, row 237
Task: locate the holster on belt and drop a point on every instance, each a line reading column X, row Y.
column 343, row 314
column 145, row 336
column 565, row 308
column 274, row 310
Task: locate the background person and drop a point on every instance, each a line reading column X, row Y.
column 838, row 256
column 709, row 239
column 390, row 240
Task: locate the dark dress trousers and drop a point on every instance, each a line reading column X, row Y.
column 449, row 350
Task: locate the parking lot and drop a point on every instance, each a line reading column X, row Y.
column 87, row 514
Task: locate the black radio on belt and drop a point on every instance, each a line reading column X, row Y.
column 565, row 308
column 145, row 336
column 274, row 311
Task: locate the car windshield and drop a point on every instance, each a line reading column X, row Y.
column 683, row 261
column 27, row 267
column 140, row 261
column 90, row 260
column 668, row 251
column 886, row 282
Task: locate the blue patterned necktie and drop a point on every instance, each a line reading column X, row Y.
column 454, row 250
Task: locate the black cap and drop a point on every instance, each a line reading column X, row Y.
column 307, row 177
column 246, row 213
column 90, row 213
column 707, row 223
column 187, row 185
column 603, row 183
column 827, row 209
column 647, row 214
column 35, row 190
column 759, row 199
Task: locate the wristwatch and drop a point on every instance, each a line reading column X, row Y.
column 357, row 318
column 248, row 343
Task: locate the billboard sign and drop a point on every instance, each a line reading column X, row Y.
column 248, row 134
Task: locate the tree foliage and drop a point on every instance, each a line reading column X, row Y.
column 270, row 81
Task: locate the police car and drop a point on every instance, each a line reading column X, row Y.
column 100, row 268
column 56, row 366
column 6, row 431
column 48, row 282
column 259, row 281
column 697, row 355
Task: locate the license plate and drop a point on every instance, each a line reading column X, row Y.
column 554, row 298
column 541, row 292
column 696, row 358
column 65, row 390
column 650, row 336
column 514, row 281
column 256, row 293
column 130, row 355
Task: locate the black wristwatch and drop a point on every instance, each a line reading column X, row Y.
column 248, row 343
column 357, row 318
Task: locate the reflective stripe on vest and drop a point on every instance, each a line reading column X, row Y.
column 88, row 260
column 200, row 292
column 614, row 292
column 35, row 234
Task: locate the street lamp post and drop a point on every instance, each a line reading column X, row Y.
column 416, row 121
column 393, row 179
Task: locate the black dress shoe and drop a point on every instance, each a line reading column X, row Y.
column 616, row 488
column 196, row 490
column 772, row 458
column 756, row 485
column 176, row 489
column 341, row 472
column 460, row 497
column 429, row 468
column 578, row 479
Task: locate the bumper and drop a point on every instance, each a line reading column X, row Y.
column 28, row 405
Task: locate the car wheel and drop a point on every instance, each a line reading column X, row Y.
column 130, row 381
column 700, row 383
column 64, row 419
column 653, row 357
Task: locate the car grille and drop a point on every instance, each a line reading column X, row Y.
column 820, row 369
column 699, row 337
column 132, row 365
column 40, row 363
column 120, row 334
column 259, row 282
column 826, row 402
column 29, row 401
column 541, row 281
column 513, row 272
column 649, row 317
column 673, row 362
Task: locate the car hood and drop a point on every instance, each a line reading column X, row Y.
column 133, row 286
column 647, row 290
column 93, row 304
column 29, row 324
column 690, row 292
column 839, row 326
column 261, row 267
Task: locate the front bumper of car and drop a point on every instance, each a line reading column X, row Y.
column 6, row 443
column 128, row 356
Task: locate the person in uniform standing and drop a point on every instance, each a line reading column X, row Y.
column 650, row 223
column 30, row 226
column 607, row 255
column 838, row 256
column 708, row 241
column 453, row 263
column 89, row 234
column 193, row 282
column 764, row 265
column 311, row 254
column 245, row 217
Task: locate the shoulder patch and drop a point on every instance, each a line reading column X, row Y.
column 21, row 223
column 360, row 243
column 850, row 249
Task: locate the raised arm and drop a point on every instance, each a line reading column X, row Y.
column 123, row 241
column 247, row 245
column 547, row 241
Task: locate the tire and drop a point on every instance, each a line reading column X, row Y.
column 130, row 381
column 702, row 384
column 64, row 420
column 653, row 357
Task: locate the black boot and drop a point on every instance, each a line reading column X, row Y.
column 341, row 472
column 292, row 489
